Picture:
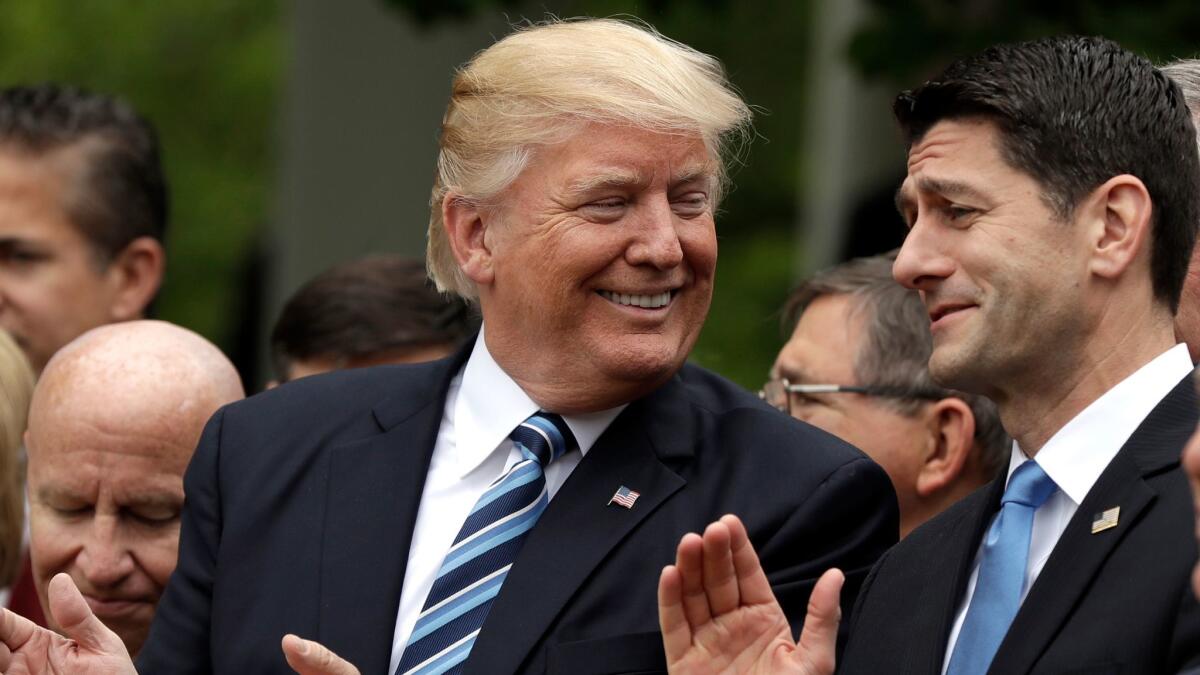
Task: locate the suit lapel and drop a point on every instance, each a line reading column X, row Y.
column 1079, row 555
column 373, row 494
column 579, row 528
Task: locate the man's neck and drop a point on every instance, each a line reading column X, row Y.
column 1035, row 410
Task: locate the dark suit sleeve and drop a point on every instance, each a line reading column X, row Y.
column 848, row 522
column 179, row 637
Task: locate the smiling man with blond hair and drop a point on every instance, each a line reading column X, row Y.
column 506, row 510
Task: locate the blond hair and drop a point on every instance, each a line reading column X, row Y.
column 16, row 388
column 538, row 85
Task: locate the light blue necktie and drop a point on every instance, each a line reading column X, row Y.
column 1001, row 571
column 477, row 563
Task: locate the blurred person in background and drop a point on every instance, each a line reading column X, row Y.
column 83, row 211
column 16, row 387
column 114, row 420
column 380, row 309
column 1186, row 74
column 857, row 366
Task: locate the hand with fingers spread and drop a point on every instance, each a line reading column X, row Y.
column 88, row 647
column 718, row 614
column 311, row 658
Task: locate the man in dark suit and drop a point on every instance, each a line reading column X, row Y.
column 1052, row 204
column 506, row 510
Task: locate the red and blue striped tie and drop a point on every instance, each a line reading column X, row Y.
column 477, row 563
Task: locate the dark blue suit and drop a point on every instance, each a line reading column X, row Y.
column 301, row 503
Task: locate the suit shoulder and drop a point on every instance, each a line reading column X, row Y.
column 334, row 398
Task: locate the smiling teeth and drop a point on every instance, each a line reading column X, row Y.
column 643, row 301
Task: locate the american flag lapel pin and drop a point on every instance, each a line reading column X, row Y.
column 1106, row 520
column 625, row 497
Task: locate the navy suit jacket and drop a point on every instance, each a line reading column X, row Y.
column 1118, row 601
column 301, row 502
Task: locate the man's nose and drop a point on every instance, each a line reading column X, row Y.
column 656, row 238
column 105, row 558
column 921, row 263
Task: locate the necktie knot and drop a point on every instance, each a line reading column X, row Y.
column 544, row 435
column 1029, row 486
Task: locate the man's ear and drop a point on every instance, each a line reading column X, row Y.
column 135, row 274
column 466, row 224
column 952, row 434
column 1118, row 217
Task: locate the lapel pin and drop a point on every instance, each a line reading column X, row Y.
column 625, row 497
column 1106, row 520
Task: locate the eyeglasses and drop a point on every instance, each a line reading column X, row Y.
column 778, row 392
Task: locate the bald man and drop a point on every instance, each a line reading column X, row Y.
column 113, row 422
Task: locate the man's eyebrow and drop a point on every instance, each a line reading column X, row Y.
column 608, row 179
column 948, row 188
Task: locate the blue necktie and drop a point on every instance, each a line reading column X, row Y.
column 477, row 563
column 1001, row 571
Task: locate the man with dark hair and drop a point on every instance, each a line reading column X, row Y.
column 377, row 310
column 1052, row 204
column 1186, row 73
column 857, row 366
column 83, row 209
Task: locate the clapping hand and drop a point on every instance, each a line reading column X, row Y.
column 718, row 614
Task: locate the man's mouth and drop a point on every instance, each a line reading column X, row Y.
column 114, row 607
column 643, row 300
column 945, row 310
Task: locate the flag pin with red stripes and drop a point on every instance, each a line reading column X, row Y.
column 625, row 497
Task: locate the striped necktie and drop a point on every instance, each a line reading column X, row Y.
column 1002, row 566
column 484, row 550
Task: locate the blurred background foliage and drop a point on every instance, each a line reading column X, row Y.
column 211, row 76
column 207, row 74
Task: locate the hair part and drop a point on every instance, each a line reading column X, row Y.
column 116, row 190
column 895, row 353
column 367, row 307
column 1072, row 112
column 542, row 83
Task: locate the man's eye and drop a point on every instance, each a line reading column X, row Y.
column 693, row 203
column 71, row 511
column 954, row 213
column 155, row 517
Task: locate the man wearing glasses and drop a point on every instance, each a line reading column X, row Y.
column 857, row 366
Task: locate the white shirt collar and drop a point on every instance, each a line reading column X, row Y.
column 490, row 405
column 1075, row 457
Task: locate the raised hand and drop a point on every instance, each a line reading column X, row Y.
column 718, row 614
column 310, row 658
column 89, row 647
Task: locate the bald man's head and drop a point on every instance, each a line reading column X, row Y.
column 113, row 422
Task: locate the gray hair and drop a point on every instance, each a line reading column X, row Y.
column 1186, row 74
column 896, row 353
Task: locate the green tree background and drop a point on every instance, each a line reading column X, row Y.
column 210, row 76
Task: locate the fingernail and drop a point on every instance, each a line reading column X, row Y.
column 303, row 646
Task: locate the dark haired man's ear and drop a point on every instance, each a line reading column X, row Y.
column 136, row 274
column 1117, row 220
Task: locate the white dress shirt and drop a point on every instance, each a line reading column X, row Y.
column 1075, row 457
column 483, row 406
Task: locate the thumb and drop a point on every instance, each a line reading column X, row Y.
column 818, row 639
column 311, row 658
column 73, row 615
